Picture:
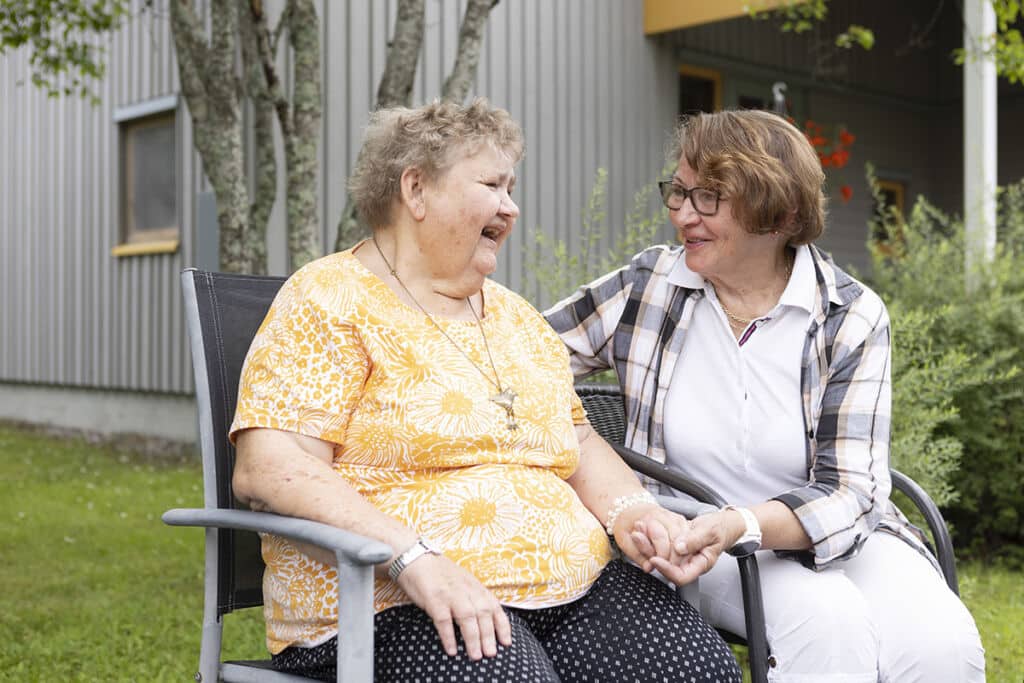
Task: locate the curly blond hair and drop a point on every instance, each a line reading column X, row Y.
column 430, row 138
column 762, row 164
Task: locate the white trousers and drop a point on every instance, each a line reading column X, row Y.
column 885, row 615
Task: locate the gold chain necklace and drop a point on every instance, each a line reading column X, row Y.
column 746, row 321
column 505, row 396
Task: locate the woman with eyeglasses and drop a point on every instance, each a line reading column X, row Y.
column 753, row 363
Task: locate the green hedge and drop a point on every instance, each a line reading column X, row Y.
column 958, row 422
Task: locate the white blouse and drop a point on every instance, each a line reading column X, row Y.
column 733, row 412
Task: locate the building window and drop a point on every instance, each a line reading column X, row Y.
column 892, row 192
column 700, row 90
column 890, row 200
column 148, row 180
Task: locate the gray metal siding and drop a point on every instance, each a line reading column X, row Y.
column 71, row 313
column 589, row 89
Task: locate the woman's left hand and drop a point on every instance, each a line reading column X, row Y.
column 680, row 549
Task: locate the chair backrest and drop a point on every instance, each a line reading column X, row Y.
column 605, row 411
column 222, row 313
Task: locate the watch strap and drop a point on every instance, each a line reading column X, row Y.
column 750, row 541
column 418, row 549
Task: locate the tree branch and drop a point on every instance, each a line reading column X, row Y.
column 471, row 34
column 266, row 59
column 191, row 51
column 302, row 140
column 264, row 157
column 403, row 54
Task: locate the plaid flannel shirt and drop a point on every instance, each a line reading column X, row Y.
column 634, row 321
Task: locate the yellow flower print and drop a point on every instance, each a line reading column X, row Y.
column 546, row 493
column 450, row 410
column 374, row 442
column 569, row 552
column 473, row 514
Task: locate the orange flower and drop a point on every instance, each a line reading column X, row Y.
column 840, row 157
column 825, row 160
column 846, row 138
column 819, row 141
column 846, row 191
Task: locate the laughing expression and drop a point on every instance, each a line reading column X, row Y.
column 473, row 212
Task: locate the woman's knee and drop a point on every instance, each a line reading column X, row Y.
column 933, row 645
column 830, row 629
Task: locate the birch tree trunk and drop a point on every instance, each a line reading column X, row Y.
column 395, row 89
column 208, row 81
column 302, row 134
column 467, row 58
column 298, row 119
column 265, row 159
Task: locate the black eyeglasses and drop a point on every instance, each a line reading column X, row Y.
column 705, row 201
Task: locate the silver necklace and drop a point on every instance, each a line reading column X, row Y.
column 505, row 396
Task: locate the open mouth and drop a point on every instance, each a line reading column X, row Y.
column 492, row 232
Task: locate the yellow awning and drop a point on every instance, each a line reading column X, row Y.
column 669, row 15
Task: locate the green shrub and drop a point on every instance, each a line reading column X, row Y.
column 957, row 386
column 558, row 267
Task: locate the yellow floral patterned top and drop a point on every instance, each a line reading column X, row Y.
column 339, row 357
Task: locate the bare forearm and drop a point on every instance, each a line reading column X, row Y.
column 601, row 475
column 779, row 527
column 273, row 474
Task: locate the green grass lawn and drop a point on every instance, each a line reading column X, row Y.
column 97, row 588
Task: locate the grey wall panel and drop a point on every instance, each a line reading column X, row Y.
column 71, row 313
column 589, row 89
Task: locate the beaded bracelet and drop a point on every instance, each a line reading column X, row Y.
column 622, row 503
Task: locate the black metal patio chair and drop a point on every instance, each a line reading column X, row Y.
column 604, row 406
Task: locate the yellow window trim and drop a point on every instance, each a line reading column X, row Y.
column 669, row 15
column 141, row 248
column 897, row 189
column 707, row 74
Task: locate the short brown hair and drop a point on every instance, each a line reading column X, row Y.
column 430, row 138
column 762, row 163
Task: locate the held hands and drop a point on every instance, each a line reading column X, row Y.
column 680, row 549
column 450, row 595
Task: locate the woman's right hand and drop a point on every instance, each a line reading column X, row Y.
column 450, row 595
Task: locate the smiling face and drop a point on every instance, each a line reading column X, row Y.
column 469, row 213
column 717, row 247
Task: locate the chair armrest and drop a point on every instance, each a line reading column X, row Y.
column 936, row 524
column 356, row 556
column 685, row 507
column 345, row 544
column 750, row 578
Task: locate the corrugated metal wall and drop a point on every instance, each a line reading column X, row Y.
column 72, row 314
column 589, row 89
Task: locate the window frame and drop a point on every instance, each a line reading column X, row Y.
column 708, row 74
column 132, row 241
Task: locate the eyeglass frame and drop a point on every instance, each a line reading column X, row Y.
column 687, row 194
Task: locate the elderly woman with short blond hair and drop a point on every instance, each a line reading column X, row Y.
column 750, row 361
column 396, row 392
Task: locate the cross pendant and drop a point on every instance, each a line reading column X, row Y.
column 505, row 398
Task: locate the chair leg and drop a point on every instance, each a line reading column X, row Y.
column 213, row 625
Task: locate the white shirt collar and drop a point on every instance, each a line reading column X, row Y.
column 799, row 291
